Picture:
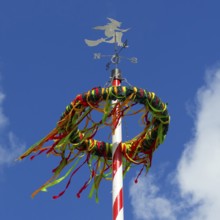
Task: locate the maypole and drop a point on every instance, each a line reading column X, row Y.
column 117, row 169
column 73, row 138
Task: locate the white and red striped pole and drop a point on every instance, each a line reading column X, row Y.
column 117, row 170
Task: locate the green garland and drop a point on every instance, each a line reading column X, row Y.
column 73, row 144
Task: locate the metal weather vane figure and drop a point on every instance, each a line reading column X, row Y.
column 112, row 31
column 113, row 34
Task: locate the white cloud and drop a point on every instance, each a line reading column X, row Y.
column 147, row 202
column 11, row 150
column 198, row 171
column 3, row 118
column 10, row 147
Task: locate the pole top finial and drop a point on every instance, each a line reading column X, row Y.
column 116, row 74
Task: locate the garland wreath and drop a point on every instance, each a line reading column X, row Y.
column 72, row 144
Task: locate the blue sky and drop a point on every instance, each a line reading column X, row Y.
column 44, row 64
